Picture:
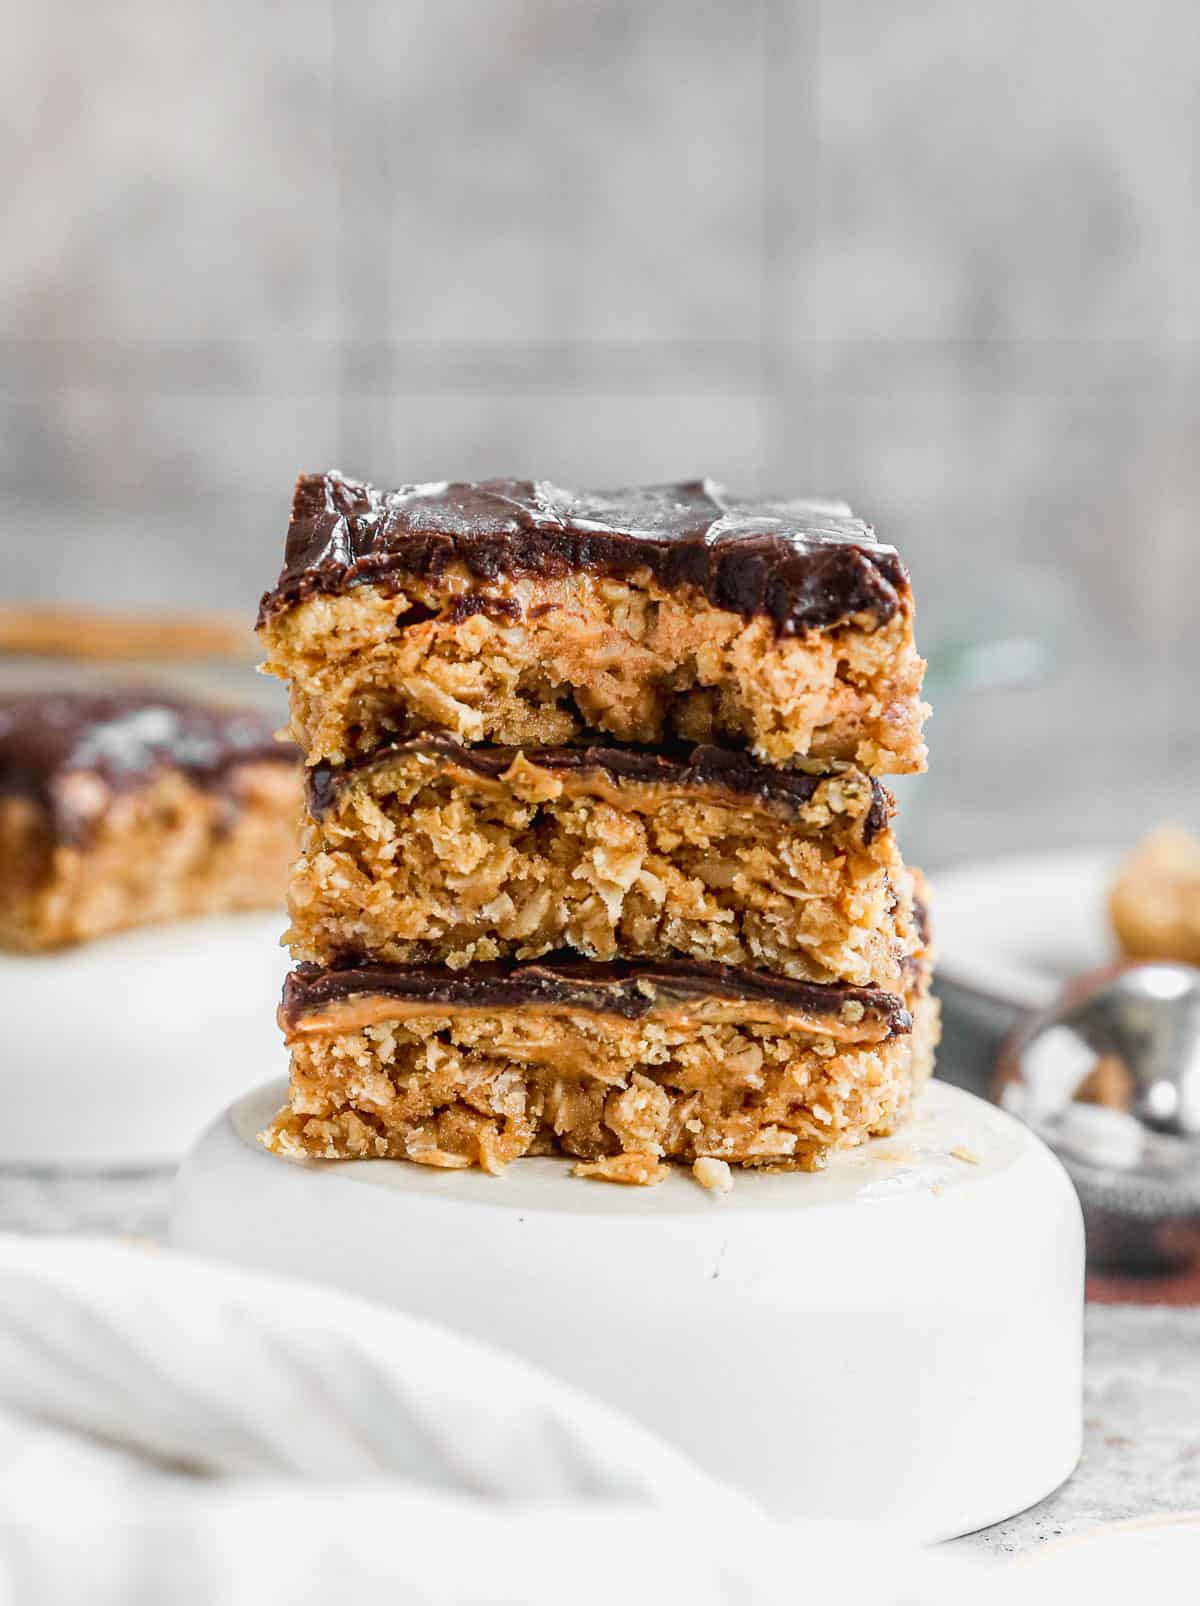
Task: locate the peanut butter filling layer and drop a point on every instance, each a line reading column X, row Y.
column 683, row 992
column 429, row 852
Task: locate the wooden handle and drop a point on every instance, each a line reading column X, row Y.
column 85, row 633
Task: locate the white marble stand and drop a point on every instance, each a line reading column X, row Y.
column 118, row 1053
column 897, row 1339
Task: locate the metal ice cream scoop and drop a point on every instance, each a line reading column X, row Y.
column 1109, row 1077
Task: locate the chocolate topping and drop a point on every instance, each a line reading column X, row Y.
column 123, row 737
column 630, row 989
column 804, row 565
column 701, row 767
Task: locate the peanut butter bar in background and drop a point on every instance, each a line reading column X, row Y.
column 429, row 852
column 514, row 612
column 122, row 807
column 621, row 1066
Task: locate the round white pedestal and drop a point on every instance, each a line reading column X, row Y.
column 897, row 1339
column 118, row 1053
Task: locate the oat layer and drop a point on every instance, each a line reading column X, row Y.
column 435, row 853
column 747, row 1082
column 543, row 659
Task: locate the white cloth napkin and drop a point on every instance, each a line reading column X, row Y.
column 175, row 1431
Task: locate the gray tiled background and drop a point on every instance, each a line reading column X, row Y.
column 938, row 257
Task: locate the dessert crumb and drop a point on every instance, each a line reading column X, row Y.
column 635, row 1170
column 714, row 1175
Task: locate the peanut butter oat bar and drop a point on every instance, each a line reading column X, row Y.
column 620, row 1066
column 122, row 807
column 430, row 852
column 514, row 612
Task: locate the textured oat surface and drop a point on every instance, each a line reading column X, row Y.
column 544, row 660
column 419, row 858
column 164, row 851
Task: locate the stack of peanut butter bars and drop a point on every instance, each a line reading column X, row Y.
column 597, row 861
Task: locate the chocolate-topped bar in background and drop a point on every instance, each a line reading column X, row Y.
column 515, row 612
column 618, row 1065
column 428, row 851
column 121, row 807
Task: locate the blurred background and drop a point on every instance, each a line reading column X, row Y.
column 938, row 258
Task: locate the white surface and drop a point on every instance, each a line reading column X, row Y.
column 1013, row 930
column 1149, row 1558
column 119, row 1052
column 173, row 1431
column 897, row 1339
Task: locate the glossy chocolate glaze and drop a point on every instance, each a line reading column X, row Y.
column 630, row 989
column 123, row 738
column 703, row 767
column 804, row 565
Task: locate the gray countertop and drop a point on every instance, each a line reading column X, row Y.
column 1142, row 1381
